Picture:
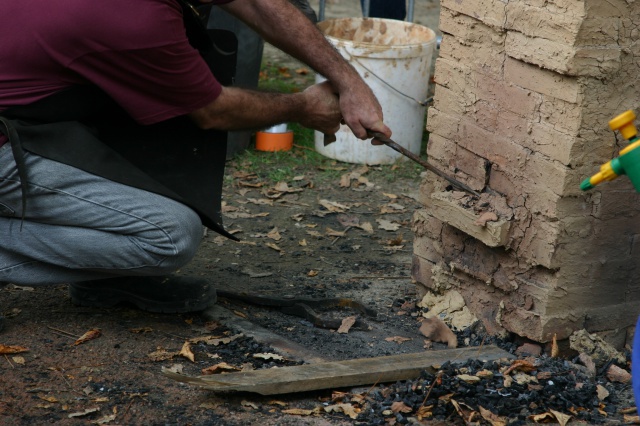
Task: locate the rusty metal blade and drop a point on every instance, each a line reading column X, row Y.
column 402, row 150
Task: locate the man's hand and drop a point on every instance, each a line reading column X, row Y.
column 361, row 111
column 322, row 109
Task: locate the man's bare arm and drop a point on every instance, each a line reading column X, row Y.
column 282, row 25
column 316, row 107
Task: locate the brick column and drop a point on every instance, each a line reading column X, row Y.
column 524, row 92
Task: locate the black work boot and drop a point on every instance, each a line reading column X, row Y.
column 168, row 294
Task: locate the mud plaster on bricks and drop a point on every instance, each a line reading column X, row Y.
column 537, row 117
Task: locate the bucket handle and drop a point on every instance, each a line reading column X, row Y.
column 423, row 103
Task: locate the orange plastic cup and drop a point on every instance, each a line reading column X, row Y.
column 266, row 141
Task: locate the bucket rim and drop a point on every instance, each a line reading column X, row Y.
column 369, row 45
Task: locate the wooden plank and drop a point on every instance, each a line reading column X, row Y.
column 338, row 374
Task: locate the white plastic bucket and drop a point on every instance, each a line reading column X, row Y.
column 394, row 58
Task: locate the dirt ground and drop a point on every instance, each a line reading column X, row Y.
column 293, row 247
column 341, row 230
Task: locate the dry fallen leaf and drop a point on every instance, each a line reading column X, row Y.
column 424, row 412
column 347, row 220
column 543, row 417
column 18, row 360
column 161, row 355
column 12, row 349
column 466, row 412
column 312, row 273
column 284, row 187
column 267, row 356
column 186, row 352
column 397, row 339
column 299, row 412
column 521, row 365
column 89, row 335
column 274, row 247
column 260, row 201
column 367, row 227
column 346, row 325
column 211, row 325
column 302, row 242
column 400, row 407
column 347, row 409
column 14, row 312
column 339, row 395
column 216, row 340
column 243, row 215
column 391, row 208
column 106, row 419
column 274, row 234
column 633, row 420
column 333, row 207
column 219, row 368
column 250, row 404
column 387, row 225
column 228, row 209
column 251, row 184
column 84, row 413
column 562, row 418
column 333, row 233
column 492, row 418
column 141, row 330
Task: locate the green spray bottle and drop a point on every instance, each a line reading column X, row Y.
column 628, row 162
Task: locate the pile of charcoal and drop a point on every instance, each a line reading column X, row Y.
column 507, row 391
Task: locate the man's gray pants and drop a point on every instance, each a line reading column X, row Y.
column 80, row 227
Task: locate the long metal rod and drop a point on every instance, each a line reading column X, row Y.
column 321, row 11
column 402, row 150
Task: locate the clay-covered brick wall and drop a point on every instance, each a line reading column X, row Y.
column 524, row 93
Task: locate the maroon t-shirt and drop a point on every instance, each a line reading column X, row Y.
column 135, row 50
